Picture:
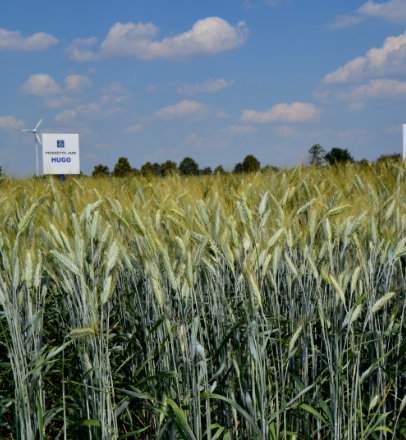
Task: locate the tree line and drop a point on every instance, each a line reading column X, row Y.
column 336, row 156
column 318, row 156
column 187, row 167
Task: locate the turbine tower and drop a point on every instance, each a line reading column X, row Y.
column 404, row 141
column 34, row 131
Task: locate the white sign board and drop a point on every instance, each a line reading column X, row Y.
column 60, row 153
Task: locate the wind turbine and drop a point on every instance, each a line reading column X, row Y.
column 404, row 141
column 34, row 131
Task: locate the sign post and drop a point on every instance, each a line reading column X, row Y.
column 60, row 154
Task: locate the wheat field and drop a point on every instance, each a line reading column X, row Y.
column 261, row 306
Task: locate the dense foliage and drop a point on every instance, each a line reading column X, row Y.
column 250, row 306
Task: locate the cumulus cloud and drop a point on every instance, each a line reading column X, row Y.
column 241, row 129
column 111, row 100
column 356, row 106
column 373, row 89
column 40, row 84
column 378, row 88
column 252, row 3
column 65, row 116
column 58, row 101
column 295, row 112
column 14, row 40
column 207, row 36
column 77, row 82
column 390, row 57
column 285, row 131
column 181, row 109
column 345, row 21
column 44, row 85
column 391, row 10
column 209, row 86
column 10, row 123
column 83, row 49
column 90, row 107
column 134, row 129
column 114, row 94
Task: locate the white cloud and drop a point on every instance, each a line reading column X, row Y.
column 152, row 88
column 252, row 3
column 111, row 100
column 207, row 36
column 344, row 21
column 65, row 116
column 91, row 107
column 295, row 112
column 114, row 94
column 77, row 82
column 83, row 49
column 10, row 123
column 40, row 84
column 373, row 89
column 391, row 10
column 209, row 86
column 137, row 128
column 194, row 140
column 221, row 114
column 58, row 102
column 356, row 106
column 377, row 88
column 241, row 129
column 391, row 57
column 285, row 131
column 181, row 109
column 14, row 40
column 45, row 86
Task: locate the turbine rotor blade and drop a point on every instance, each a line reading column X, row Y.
column 39, row 123
column 38, row 139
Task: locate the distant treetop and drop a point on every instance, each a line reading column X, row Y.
column 188, row 167
column 122, row 168
column 101, row 171
column 338, row 156
column 317, row 155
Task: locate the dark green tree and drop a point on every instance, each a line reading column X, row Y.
column 219, row 170
column 338, row 156
column 363, row 162
column 188, row 167
column 146, row 169
column 122, row 168
column 317, row 154
column 156, row 169
column 101, row 171
column 249, row 165
column 269, row 169
column 207, row 171
column 385, row 158
column 238, row 168
column 151, row 169
column 169, row 168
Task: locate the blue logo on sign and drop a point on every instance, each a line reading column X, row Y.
column 60, row 144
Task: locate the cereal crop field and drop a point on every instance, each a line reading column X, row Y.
column 259, row 306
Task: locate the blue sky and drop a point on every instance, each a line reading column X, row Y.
column 215, row 80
